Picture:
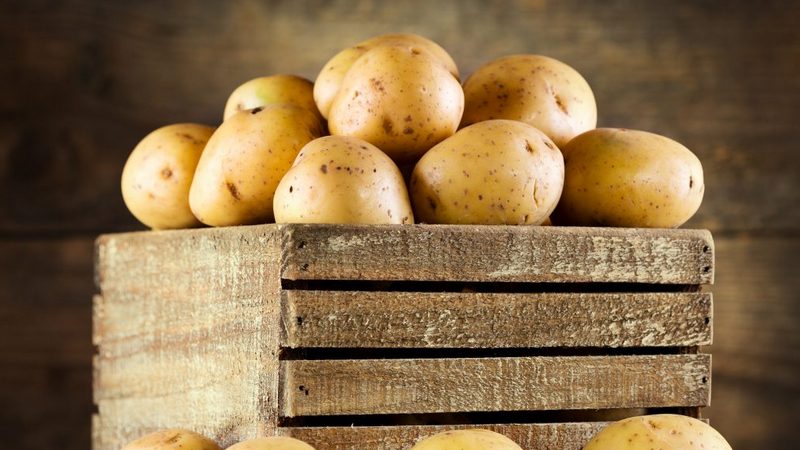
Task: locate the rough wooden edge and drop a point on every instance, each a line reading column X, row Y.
column 497, row 253
column 446, row 385
column 375, row 319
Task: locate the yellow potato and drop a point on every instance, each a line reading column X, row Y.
column 537, row 90
column 159, row 172
column 263, row 91
column 472, row 439
column 662, row 431
column 626, row 178
column 245, row 159
column 399, row 99
column 339, row 179
column 172, row 439
column 330, row 77
column 492, row 172
column 271, row 443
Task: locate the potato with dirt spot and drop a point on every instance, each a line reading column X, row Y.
column 340, row 179
column 245, row 160
column 492, row 172
column 158, row 173
column 275, row 89
column 172, row 439
column 400, row 99
column 272, row 443
column 662, row 431
column 627, row 178
column 470, row 439
column 534, row 89
column 329, row 80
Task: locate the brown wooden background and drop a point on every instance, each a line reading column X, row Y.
column 81, row 81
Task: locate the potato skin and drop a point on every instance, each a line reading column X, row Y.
column 669, row 431
column 263, row 91
column 172, row 439
column 399, row 99
column 339, row 179
column 471, row 439
column 330, row 77
column 158, row 173
column 492, row 172
column 272, row 443
column 245, row 160
column 534, row 89
column 627, row 178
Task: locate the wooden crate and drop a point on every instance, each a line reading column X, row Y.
column 369, row 337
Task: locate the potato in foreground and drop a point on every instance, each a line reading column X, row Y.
column 245, row 160
column 662, row 431
column 271, row 443
column 534, row 89
column 338, row 179
column 627, row 178
column 172, row 439
column 275, row 89
column 159, row 172
column 492, row 172
column 471, row 439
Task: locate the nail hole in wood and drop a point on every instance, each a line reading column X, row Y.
column 706, row 249
column 707, row 320
column 302, row 244
column 300, row 321
column 706, row 269
column 705, row 380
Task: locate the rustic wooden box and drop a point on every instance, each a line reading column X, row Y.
column 368, row 337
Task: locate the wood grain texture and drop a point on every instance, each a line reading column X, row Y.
column 400, row 386
column 497, row 253
column 363, row 319
column 555, row 436
column 186, row 334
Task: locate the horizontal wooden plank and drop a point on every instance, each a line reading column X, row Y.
column 363, row 319
column 551, row 436
column 405, row 386
column 497, row 253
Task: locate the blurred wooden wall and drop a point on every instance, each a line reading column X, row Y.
column 82, row 81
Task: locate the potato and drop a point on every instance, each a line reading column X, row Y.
column 471, row 439
column 537, row 90
column 263, row 91
column 271, row 443
column 399, row 99
column 245, row 159
column 172, row 439
column 492, row 172
column 626, row 178
column 339, row 179
column 330, row 77
column 159, row 172
column 662, row 431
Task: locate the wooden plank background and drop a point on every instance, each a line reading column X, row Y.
column 84, row 80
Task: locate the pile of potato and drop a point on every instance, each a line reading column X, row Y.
column 515, row 144
column 662, row 431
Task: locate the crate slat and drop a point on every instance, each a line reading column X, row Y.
column 497, row 253
column 364, row 319
column 405, row 386
column 551, row 436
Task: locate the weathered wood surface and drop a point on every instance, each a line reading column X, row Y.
column 355, row 319
column 551, row 436
column 497, row 253
column 182, row 328
column 405, row 386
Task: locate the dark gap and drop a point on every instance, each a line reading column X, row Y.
column 431, row 353
column 495, row 417
column 459, row 286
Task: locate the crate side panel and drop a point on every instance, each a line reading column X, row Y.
column 555, row 436
column 497, row 253
column 187, row 333
column 405, row 386
column 364, row 319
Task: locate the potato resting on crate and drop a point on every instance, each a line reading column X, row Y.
column 540, row 333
